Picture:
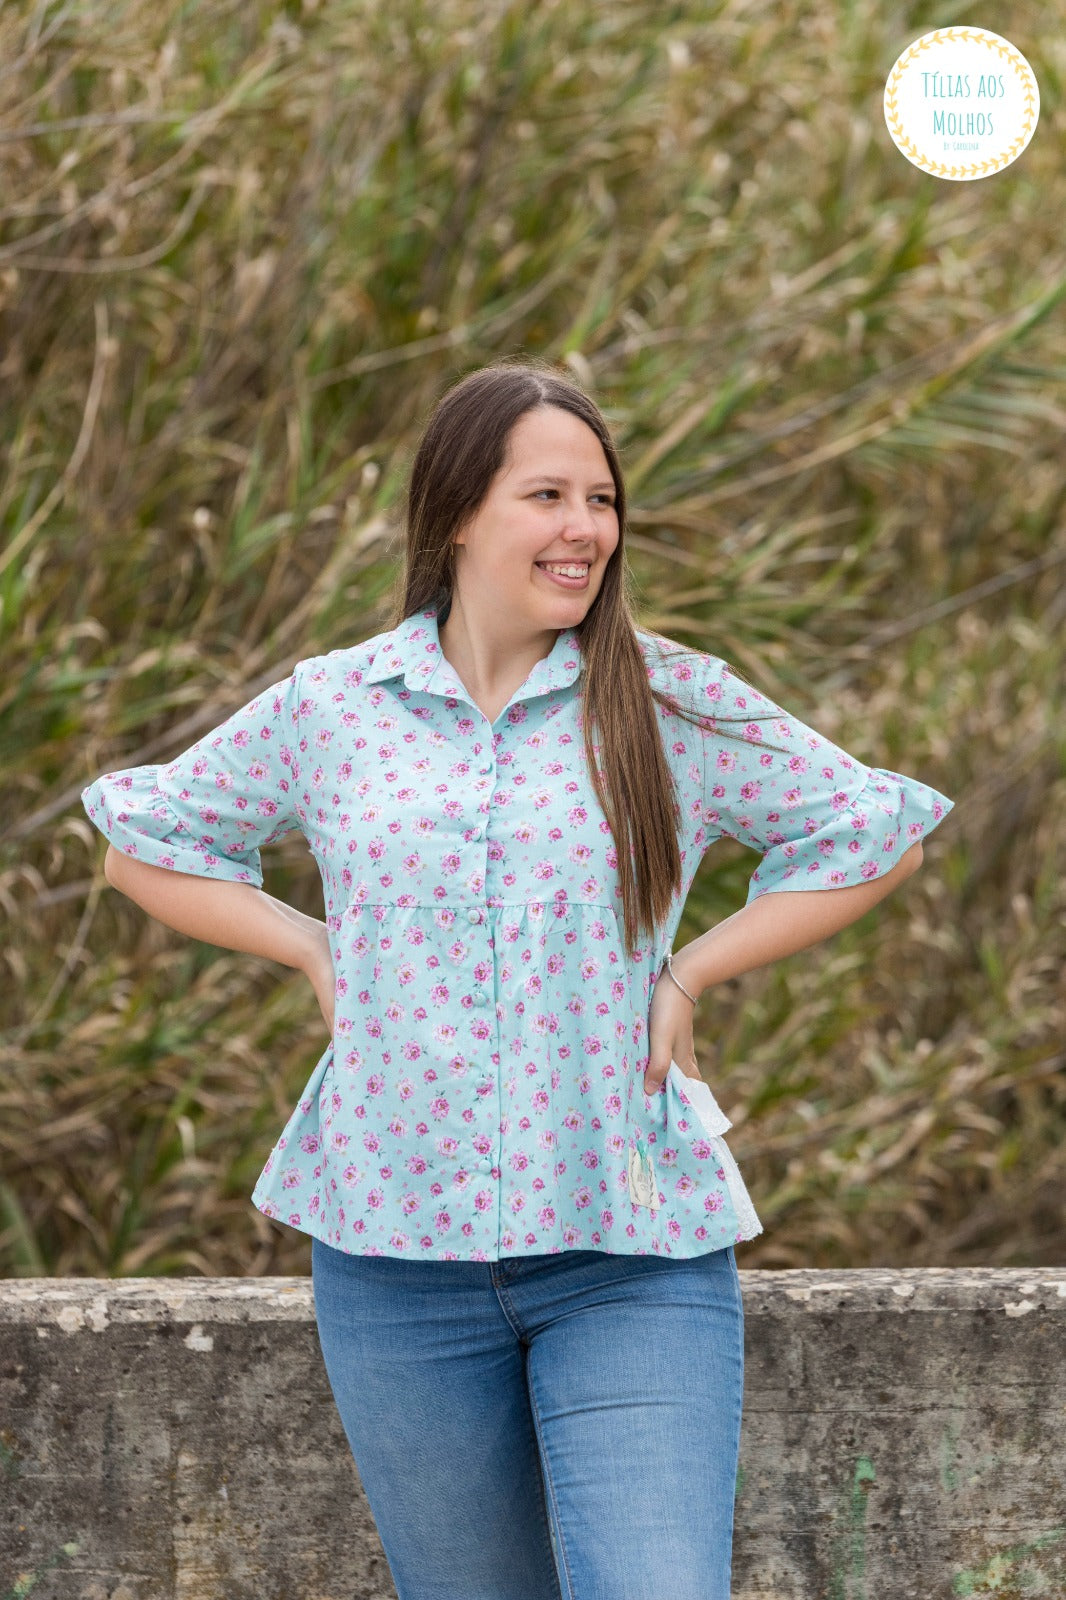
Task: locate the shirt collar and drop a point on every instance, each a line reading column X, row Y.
column 413, row 649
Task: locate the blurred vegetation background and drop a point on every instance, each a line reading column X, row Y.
column 244, row 246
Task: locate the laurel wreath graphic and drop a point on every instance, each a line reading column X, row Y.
column 974, row 169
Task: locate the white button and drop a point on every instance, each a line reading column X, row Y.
column 479, row 997
column 478, row 833
column 473, row 916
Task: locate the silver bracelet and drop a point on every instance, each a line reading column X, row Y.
column 668, row 963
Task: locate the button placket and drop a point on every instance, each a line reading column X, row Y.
column 482, row 766
column 476, row 916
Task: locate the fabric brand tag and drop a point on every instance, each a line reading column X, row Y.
column 643, row 1188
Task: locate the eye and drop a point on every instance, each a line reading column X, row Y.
column 607, row 498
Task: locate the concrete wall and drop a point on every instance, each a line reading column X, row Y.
column 175, row 1439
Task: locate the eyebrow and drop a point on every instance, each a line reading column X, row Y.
column 560, row 483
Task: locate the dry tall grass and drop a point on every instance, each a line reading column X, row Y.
column 243, row 247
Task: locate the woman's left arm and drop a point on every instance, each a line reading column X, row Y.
column 775, row 925
column 835, row 837
column 779, row 924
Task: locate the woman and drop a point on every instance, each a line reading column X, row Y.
column 522, row 1256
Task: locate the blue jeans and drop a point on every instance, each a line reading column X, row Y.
column 549, row 1427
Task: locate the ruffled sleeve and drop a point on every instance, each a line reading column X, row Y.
column 210, row 810
column 820, row 818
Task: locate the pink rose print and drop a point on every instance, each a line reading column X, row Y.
column 480, row 1088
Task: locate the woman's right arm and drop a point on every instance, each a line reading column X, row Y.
column 237, row 916
column 184, row 838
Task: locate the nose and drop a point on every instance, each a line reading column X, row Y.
column 581, row 523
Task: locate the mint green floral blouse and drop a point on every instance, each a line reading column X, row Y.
column 482, row 1095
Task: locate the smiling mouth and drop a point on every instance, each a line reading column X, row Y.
column 565, row 569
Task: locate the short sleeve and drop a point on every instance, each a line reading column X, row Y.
column 210, row 810
column 821, row 818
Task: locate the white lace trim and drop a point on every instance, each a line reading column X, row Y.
column 738, row 1192
column 715, row 1123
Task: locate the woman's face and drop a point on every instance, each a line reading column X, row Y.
column 553, row 502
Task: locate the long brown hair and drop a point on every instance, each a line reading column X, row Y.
column 462, row 448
